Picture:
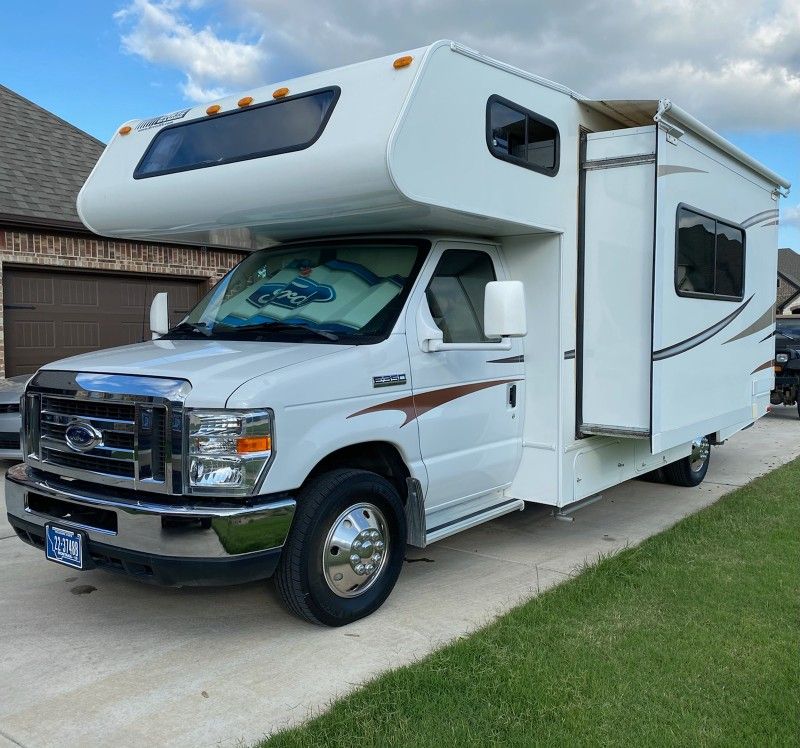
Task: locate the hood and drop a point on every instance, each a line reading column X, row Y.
column 215, row 368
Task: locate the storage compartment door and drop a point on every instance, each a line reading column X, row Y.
column 615, row 266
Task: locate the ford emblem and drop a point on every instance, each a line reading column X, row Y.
column 82, row 436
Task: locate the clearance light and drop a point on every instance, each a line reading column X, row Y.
column 279, row 93
column 213, row 109
column 125, row 130
column 403, row 62
column 245, row 101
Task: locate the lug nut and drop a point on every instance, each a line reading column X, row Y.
column 357, row 545
column 355, row 558
column 380, row 545
column 360, row 569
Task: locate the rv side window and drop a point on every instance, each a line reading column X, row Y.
column 281, row 126
column 456, row 292
column 521, row 137
column 709, row 260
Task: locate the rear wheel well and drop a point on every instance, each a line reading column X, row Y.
column 381, row 458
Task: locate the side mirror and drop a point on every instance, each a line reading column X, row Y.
column 159, row 315
column 504, row 310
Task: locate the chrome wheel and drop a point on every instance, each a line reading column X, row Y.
column 699, row 456
column 356, row 550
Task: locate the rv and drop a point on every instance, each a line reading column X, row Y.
column 469, row 288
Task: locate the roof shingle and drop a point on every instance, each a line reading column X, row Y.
column 44, row 161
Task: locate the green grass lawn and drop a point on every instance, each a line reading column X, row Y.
column 691, row 638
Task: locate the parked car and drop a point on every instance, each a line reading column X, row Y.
column 787, row 361
column 11, row 390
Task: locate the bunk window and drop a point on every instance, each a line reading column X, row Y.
column 521, row 137
column 709, row 257
column 281, row 126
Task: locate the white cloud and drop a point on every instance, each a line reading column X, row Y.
column 212, row 65
column 791, row 216
column 734, row 63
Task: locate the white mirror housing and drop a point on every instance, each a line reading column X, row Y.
column 159, row 315
column 504, row 310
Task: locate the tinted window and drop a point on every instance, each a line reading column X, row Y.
column 709, row 256
column 522, row 137
column 262, row 130
column 456, row 294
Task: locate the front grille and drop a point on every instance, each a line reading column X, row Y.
column 134, row 438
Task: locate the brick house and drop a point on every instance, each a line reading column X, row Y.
column 788, row 301
column 65, row 290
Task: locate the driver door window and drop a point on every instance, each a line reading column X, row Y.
column 455, row 295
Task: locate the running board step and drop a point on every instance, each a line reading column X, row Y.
column 474, row 518
column 596, row 429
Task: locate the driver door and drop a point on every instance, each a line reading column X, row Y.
column 467, row 401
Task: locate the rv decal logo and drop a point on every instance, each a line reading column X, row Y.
column 298, row 293
column 162, row 120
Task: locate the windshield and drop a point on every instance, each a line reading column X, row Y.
column 346, row 292
column 790, row 326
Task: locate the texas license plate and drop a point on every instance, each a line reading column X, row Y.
column 64, row 546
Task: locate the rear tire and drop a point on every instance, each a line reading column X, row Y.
column 691, row 470
column 345, row 549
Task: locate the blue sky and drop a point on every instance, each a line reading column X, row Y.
column 97, row 63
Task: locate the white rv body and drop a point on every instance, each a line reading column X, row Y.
column 617, row 375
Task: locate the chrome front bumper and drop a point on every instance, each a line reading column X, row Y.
column 139, row 524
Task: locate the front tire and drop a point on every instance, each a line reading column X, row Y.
column 691, row 470
column 345, row 549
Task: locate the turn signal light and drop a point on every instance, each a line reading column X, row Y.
column 247, row 444
column 213, row 109
column 403, row 62
column 245, row 101
column 125, row 130
column 279, row 93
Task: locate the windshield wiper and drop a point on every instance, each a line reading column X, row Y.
column 277, row 327
column 189, row 327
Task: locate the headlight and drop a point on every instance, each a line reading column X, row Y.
column 782, row 358
column 229, row 450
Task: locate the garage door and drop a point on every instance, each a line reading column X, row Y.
column 51, row 314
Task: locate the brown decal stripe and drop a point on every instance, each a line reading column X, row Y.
column 509, row 360
column 416, row 405
column 765, row 320
column 667, row 169
column 765, row 365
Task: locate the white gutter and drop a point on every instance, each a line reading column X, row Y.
column 681, row 117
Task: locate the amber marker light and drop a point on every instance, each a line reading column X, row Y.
column 403, row 62
column 125, row 130
column 213, row 109
column 248, row 444
column 245, row 101
column 279, row 93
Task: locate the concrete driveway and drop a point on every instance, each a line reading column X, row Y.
column 89, row 659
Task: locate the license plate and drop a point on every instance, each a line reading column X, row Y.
column 64, row 546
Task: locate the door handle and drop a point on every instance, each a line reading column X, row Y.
column 512, row 395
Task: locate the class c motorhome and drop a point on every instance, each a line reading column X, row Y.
column 469, row 288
